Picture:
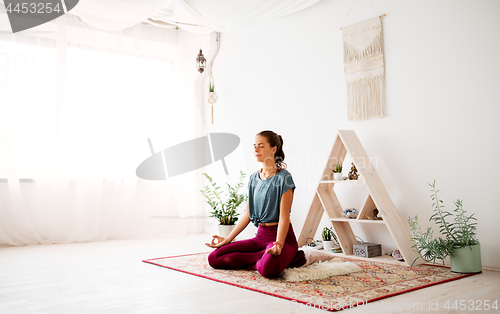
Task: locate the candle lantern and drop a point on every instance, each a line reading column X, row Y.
column 201, row 62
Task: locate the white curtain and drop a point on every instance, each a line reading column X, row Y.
column 196, row 16
column 227, row 15
column 115, row 15
column 77, row 105
column 79, row 96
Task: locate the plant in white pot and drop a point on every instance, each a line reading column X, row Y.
column 460, row 242
column 337, row 172
column 329, row 239
column 224, row 210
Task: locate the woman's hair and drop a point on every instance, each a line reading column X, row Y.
column 275, row 140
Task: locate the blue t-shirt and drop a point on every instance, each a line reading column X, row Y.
column 264, row 196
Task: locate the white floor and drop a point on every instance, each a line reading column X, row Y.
column 110, row 277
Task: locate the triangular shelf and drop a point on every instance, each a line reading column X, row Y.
column 325, row 200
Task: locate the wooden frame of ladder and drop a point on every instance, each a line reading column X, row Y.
column 326, row 200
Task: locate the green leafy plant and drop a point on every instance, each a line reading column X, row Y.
column 338, row 168
column 327, row 234
column 457, row 234
column 224, row 210
column 211, row 87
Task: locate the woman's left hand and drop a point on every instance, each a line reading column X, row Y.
column 220, row 242
column 276, row 249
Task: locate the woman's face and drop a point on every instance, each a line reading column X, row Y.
column 262, row 149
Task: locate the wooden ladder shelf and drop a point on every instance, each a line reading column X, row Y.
column 325, row 199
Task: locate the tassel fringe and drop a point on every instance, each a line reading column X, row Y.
column 374, row 48
column 365, row 98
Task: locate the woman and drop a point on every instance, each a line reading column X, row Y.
column 270, row 195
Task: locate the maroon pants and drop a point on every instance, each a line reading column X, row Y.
column 251, row 253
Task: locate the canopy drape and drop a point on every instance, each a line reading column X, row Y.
column 198, row 16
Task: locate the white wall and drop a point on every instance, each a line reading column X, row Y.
column 442, row 80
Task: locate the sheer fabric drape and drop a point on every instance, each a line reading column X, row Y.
column 197, row 16
column 77, row 105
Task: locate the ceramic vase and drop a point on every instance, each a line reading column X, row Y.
column 225, row 230
column 466, row 260
column 327, row 245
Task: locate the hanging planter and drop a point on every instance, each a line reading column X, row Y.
column 211, row 96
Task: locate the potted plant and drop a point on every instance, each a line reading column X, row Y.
column 224, row 210
column 459, row 242
column 337, row 172
column 329, row 238
column 211, row 96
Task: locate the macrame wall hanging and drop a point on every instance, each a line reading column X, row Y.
column 364, row 68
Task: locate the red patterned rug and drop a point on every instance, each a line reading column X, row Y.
column 375, row 282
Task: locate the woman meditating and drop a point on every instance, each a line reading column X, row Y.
column 270, row 195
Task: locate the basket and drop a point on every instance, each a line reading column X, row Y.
column 367, row 249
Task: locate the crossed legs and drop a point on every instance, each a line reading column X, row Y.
column 251, row 253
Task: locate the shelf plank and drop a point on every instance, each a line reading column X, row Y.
column 367, row 209
column 345, row 235
column 330, row 202
column 359, row 180
column 377, row 259
column 312, row 221
column 387, row 209
column 337, row 155
column 369, row 221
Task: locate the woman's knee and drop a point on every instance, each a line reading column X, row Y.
column 269, row 266
column 213, row 260
column 268, row 272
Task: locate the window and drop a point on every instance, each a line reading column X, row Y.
column 79, row 101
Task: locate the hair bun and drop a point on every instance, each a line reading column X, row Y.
column 275, row 139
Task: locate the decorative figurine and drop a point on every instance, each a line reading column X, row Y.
column 353, row 174
column 375, row 213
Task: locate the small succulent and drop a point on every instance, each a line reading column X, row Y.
column 338, row 168
column 327, row 234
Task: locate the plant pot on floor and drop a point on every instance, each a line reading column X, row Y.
column 225, row 230
column 466, row 260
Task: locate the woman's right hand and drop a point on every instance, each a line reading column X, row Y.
column 220, row 242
